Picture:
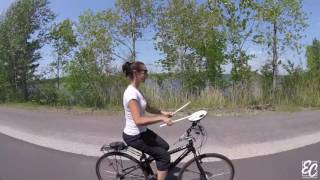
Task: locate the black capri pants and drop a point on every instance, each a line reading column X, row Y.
column 153, row 145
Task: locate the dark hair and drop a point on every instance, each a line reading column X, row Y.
column 128, row 68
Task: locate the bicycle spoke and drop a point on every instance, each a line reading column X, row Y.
column 187, row 170
column 208, row 177
column 111, row 163
column 109, row 172
column 136, row 176
column 226, row 172
column 118, row 165
column 121, row 162
column 216, row 175
column 214, row 166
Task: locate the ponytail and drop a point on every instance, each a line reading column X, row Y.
column 129, row 67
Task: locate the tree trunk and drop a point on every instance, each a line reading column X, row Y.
column 133, row 36
column 274, row 57
column 134, row 48
column 25, row 88
column 58, row 72
column 24, row 83
column 13, row 77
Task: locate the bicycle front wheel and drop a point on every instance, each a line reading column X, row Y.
column 214, row 166
column 118, row 165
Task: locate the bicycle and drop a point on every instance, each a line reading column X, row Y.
column 118, row 161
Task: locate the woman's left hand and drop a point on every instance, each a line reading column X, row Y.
column 167, row 114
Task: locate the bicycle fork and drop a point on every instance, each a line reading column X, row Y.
column 202, row 172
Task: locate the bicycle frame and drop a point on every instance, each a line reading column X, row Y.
column 188, row 149
column 143, row 163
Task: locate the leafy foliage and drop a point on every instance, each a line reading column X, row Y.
column 134, row 17
column 313, row 57
column 196, row 39
column 23, row 32
column 64, row 41
column 281, row 27
column 187, row 34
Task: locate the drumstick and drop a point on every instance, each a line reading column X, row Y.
column 181, row 108
column 177, row 120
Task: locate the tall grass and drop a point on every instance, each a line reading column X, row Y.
column 303, row 90
column 293, row 90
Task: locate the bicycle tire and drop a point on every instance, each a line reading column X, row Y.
column 210, row 163
column 114, row 165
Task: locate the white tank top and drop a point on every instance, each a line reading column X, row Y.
column 131, row 128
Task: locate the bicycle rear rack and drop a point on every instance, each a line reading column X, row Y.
column 122, row 147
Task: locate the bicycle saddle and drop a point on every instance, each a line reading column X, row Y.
column 117, row 146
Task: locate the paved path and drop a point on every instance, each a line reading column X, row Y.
column 24, row 161
column 280, row 166
column 237, row 137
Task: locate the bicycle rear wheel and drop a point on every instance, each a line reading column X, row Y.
column 215, row 166
column 118, row 165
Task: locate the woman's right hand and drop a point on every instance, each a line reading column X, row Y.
column 167, row 120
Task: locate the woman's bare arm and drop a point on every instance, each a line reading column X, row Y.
column 154, row 110
column 145, row 120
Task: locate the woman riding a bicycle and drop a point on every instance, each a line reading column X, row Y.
column 121, row 162
column 136, row 134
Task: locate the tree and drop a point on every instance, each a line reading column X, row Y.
column 238, row 19
column 266, row 72
column 313, row 57
column 23, row 34
column 64, row 40
column 3, row 77
column 281, row 27
column 134, row 17
column 88, row 71
column 188, row 36
column 3, row 60
column 290, row 83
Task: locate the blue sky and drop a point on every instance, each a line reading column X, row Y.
column 73, row 8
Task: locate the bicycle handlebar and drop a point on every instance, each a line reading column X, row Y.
column 194, row 117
